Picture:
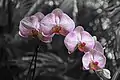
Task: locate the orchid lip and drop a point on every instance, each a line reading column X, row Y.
column 56, row 29
column 34, row 33
column 94, row 65
column 81, row 46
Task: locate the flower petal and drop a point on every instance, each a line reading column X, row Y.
column 88, row 39
column 39, row 15
column 71, row 41
column 44, row 39
column 98, row 47
column 47, row 23
column 86, row 59
column 66, row 22
column 99, row 57
column 79, row 29
column 57, row 12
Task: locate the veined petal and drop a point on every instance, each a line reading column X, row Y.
column 86, row 59
column 98, row 47
column 47, row 23
column 43, row 38
column 100, row 58
column 71, row 41
column 66, row 22
column 39, row 15
column 79, row 29
column 88, row 39
column 46, row 39
column 57, row 12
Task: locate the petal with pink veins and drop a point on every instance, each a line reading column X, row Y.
column 79, row 29
column 88, row 39
column 66, row 22
column 98, row 47
column 39, row 15
column 100, row 58
column 86, row 59
column 71, row 41
column 47, row 23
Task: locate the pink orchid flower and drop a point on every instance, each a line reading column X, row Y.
column 30, row 27
column 93, row 60
column 57, row 22
column 79, row 39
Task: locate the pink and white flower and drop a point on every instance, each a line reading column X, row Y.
column 79, row 39
column 57, row 22
column 94, row 59
column 30, row 27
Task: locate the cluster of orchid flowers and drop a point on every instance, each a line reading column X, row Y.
column 57, row 22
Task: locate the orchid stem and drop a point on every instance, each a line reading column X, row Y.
column 36, row 51
column 34, row 58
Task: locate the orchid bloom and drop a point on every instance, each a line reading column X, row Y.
column 30, row 27
column 57, row 22
column 94, row 59
column 79, row 39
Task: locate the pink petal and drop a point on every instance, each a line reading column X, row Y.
column 27, row 25
column 66, row 22
column 79, row 29
column 98, row 47
column 39, row 15
column 47, row 23
column 100, row 58
column 46, row 39
column 88, row 39
column 71, row 41
column 86, row 59
column 57, row 12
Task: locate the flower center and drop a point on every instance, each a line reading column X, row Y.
column 81, row 46
column 56, row 29
column 94, row 65
column 34, row 33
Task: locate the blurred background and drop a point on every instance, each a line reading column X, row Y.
column 101, row 18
